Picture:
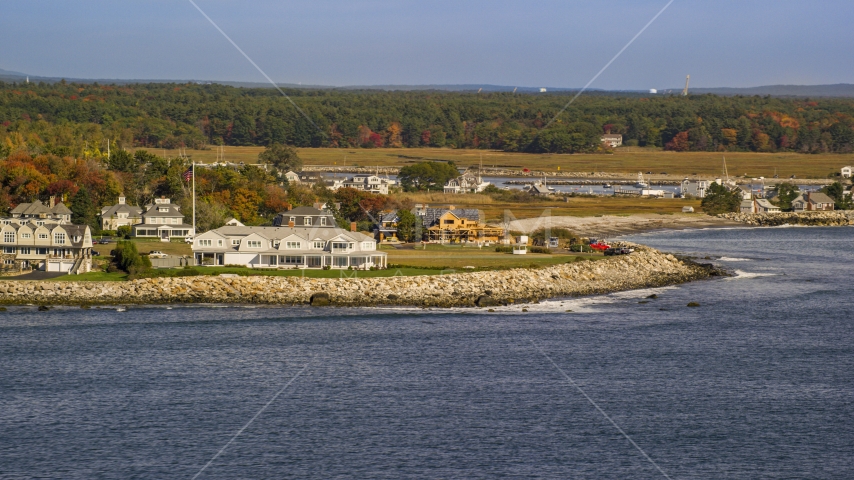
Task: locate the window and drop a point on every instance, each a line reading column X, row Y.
column 368, row 246
column 339, row 261
column 219, row 243
column 291, row 260
column 163, row 209
column 293, row 219
column 318, row 244
column 341, row 245
column 235, row 241
column 123, row 215
column 41, row 224
column 205, row 242
column 25, row 250
column 306, row 221
column 9, row 250
column 253, row 243
column 9, row 237
column 27, row 235
column 41, row 251
column 43, row 236
column 294, row 245
column 59, row 238
column 322, row 221
column 449, row 222
column 9, row 262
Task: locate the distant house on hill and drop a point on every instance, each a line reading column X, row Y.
column 119, row 215
column 304, row 217
column 453, row 225
column 466, row 183
column 612, row 140
column 38, row 210
column 846, row 172
column 813, row 201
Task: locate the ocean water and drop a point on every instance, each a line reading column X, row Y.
column 757, row 382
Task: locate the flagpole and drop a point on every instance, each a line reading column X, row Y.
column 194, row 197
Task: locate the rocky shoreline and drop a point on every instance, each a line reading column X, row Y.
column 813, row 219
column 644, row 268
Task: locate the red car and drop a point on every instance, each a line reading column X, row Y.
column 599, row 246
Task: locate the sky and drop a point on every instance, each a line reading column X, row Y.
column 535, row 43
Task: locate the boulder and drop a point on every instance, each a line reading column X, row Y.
column 320, row 299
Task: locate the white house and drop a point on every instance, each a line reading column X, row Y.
column 163, row 220
column 762, row 205
column 612, row 140
column 288, row 247
column 466, row 183
column 846, row 172
column 45, row 244
column 367, row 183
column 747, row 206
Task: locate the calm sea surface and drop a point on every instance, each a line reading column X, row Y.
column 758, row 382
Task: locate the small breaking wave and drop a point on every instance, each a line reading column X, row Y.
column 734, row 259
column 739, row 274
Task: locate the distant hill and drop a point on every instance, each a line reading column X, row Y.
column 837, row 90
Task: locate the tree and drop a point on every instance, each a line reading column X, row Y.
column 281, row 156
column 406, row 225
column 124, row 231
column 83, row 210
column 720, row 199
column 427, row 175
column 837, row 192
column 786, row 193
column 127, row 258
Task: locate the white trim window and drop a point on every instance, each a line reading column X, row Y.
column 9, row 237
column 368, row 246
column 235, row 242
column 318, row 244
column 59, row 238
column 205, row 242
column 27, row 235
column 293, row 245
column 43, row 236
column 322, row 221
column 306, row 221
column 253, row 244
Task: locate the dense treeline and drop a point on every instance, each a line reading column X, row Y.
column 77, row 119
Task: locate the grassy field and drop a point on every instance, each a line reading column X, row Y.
column 119, row 277
column 145, row 245
column 449, row 257
column 624, row 160
column 576, row 206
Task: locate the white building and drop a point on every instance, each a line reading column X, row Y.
column 466, row 183
column 119, row 215
column 288, row 247
column 846, row 172
column 367, row 183
column 163, row 220
column 612, row 140
column 45, row 244
column 694, row 188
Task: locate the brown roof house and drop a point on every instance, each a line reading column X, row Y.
column 813, row 202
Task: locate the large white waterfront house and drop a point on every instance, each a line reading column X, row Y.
column 45, row 244
column 288, row 247
column 163, row 220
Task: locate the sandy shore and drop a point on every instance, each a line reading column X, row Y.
column 610, row 226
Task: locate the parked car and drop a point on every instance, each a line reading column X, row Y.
column 104, row 241
column 618, row 251
column 156, row 254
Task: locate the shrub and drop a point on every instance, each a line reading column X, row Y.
column 124, row 231
column 126, row 257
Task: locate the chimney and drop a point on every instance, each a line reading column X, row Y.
column 352, row 226
column 52, row 202
column 288, row 207
column 122, row 200
column 451, row 207
column 291, row 223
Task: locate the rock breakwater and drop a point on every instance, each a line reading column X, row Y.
column 815, row 219
column 644, row 268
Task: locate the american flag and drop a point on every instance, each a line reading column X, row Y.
column 188, row 174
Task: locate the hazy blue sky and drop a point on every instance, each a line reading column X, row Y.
column 557, row 43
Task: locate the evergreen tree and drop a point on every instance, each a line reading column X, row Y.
column 720, row 199
column 83, row 210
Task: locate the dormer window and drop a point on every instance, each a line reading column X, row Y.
column 253, row 243
column 322, row 221
column 307, row 221
column 9, row 237
column 163, row 209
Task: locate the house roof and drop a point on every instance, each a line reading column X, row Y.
column 432, row 215
column 818, row 197
column 60, row 209
column 278, row 233
column 172, row 210
column 111, row 210
column 766, row 204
